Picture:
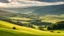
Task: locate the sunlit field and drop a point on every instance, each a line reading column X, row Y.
column 18, row 18
column 31, row 17
column 6, row 29
column 52, row 18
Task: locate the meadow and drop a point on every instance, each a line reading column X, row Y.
column 6, row 30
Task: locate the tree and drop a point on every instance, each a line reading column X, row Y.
column 14, row 27
column 54, row 27
column 49, row 28
column 40, row 28
column 31, row 26
column 60, row 25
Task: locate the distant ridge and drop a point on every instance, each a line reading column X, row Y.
column 54, row 9
column 6, row 13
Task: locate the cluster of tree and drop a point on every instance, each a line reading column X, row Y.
column 40, row 28
column 39, row 22
column 17, row 23
column 57, row 25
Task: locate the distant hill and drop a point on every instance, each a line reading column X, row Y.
column 40, row 10
column 22, row 10
column 6, row 13
column 54, row 9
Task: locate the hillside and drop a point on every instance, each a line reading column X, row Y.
column 6, row 13
column 22, row 10
column 50, row 10
column 6, row 29
column 40, row 10
column 8, row 32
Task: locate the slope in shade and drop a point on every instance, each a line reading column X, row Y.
column 54, row 9
column 40, row 10
column 6, row 13
column 22, row 10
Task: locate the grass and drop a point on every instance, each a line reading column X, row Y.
column 52, row 18
column 17, row 18
column 10, row 32
column 6, row 30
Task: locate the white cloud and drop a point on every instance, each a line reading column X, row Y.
column 26, row 3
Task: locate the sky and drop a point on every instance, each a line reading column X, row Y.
column 28, row 3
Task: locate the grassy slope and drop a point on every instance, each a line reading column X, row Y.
column 6, row 30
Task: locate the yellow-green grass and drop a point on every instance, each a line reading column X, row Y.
column 18, row 18
column 52, row 18
column 6, row 30
column 52, row 21
column 10, row 32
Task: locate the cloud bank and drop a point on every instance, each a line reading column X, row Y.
column 27, row 3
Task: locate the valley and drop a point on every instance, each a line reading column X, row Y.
column 32, row 21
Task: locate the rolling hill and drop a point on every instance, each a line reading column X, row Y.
column 40, row 10
column 22, row 10
column 50, row 10
column 6, row 30
column 6, row 13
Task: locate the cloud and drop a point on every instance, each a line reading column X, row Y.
column 27, row 3
column 48, row 0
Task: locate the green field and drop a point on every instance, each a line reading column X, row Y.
column 52, row 18
column 6, row 30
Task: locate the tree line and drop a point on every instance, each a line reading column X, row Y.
column 58, row 25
